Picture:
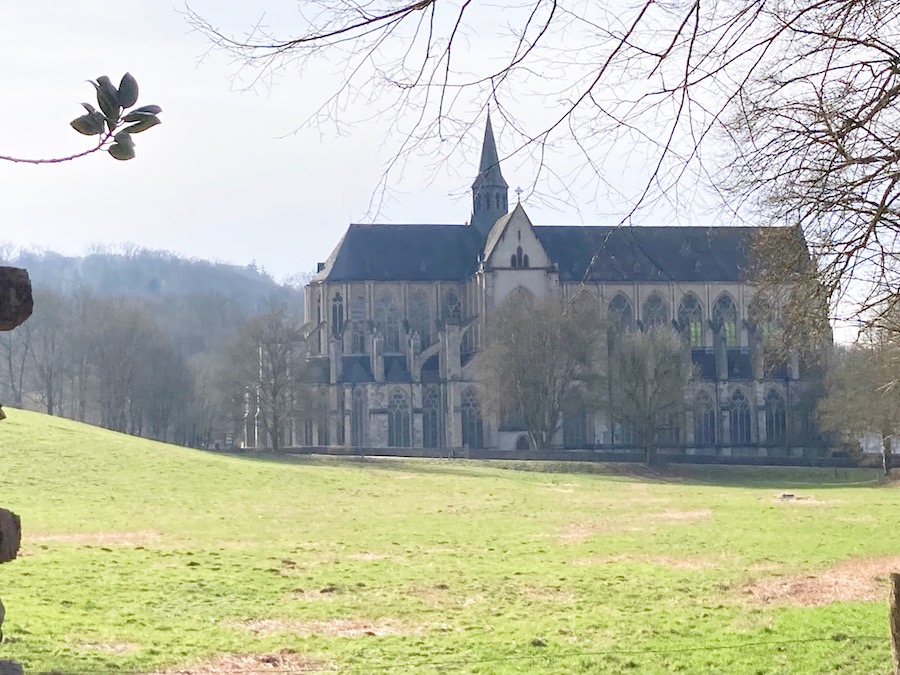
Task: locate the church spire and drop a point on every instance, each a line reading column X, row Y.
column 489, row 191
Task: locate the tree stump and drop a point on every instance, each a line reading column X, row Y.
column 16, row 301
column 10, row 535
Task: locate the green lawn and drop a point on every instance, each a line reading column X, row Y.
column 140, row 556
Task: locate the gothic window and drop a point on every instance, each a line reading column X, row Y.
column 525, row 261
column 308, row 430
column 472, row 424
column 669, row 432
column 497, row 200
column 519, row 260
column 704, row 421
column 690, row 317
column 431, row 418
column 656, row 312
column 776, row 418
column 512, row 261
column 452, row 309
column 620, row 314
column 387, row 319
column 420, row 317
column 398, row 420
column 724, row 314
column 625, row 434
column 358, row 318
column 477, row 203
column 575, row 430
column 337, row 315
column 740, row 419
column 340, row 416
column 467, row 344
column 357, row 418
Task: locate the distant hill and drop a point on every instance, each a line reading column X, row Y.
column 154, row 275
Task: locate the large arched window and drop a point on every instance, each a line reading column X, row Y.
column 420, row 317
column 451, row 308
column 398, row 420
column 656, row 311
column 776, row 418
column 357, row 418
column 358, row 331
column 337, row 315
column 740, row 419
column 431, row 418
column 724, row 314
column 621, row 316
column 472, row 424
column 690, row 317
column 704, row 420
column 387, row 319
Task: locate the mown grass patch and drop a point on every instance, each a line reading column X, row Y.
column 147, row 557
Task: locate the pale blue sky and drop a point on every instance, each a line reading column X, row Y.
column 222, row 178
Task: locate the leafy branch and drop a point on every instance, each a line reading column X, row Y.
column 113, row 123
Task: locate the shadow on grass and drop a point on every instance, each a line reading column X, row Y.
column 763, row 477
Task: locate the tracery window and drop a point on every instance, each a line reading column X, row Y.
column 431, row 418
column 704, row 420
column 472, row 423
column 357, row 418
column 420, row 317
column 740, row 419
column 690, row 316
column 725, row 315
column 497, row 200
column 337, row 315
column 656, row 312
column 621, row 315
column 398, row 420
column 358, row 319
column 387, row 319
column 776, row 418
column 451, row 309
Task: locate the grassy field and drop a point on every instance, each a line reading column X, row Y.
column 150, row 558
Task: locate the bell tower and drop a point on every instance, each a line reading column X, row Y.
column 489, row 191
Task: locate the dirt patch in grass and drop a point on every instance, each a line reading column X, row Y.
column 798, row 500
column 365, row 556
column 696, row 514
column 332, row 628
column 110, row 647
column 853, row 580
column 553, row 594
column 284, row 661
column 576, row 533
column 138, row 538
column 674, row 562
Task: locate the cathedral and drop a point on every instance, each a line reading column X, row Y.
column 397, row 318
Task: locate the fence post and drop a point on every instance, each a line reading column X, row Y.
column 895, row 621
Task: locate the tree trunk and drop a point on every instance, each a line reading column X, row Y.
column 887, row 457
column 652, row 455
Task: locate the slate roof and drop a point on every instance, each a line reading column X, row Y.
column 356, row 369
column 450, row 253
column 489, row 166
column 647, row 253
column 404, row 253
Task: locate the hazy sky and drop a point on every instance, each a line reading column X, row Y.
column 222, row 178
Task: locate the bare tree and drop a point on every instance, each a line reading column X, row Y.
column 862, row 396
column 49, row 346
column 647, row 378
column 15, row 350
column 787, row 110
column 268, row 363
column 541, row 361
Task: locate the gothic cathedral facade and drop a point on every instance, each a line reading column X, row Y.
column 397, row 318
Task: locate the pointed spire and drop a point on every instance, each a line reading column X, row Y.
column 489, row 167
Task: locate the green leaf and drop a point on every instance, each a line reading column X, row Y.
column 91, row 109
column 89, row 125
column 121, row 152
column 108, row 99
column 145, row 109
column 128, row 91
column 144, row 124
column 124, row 138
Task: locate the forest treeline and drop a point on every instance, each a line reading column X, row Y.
column 138, row 341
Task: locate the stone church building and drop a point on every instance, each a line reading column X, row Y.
column 397, row 318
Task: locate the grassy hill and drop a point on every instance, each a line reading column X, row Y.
column 144, row 557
